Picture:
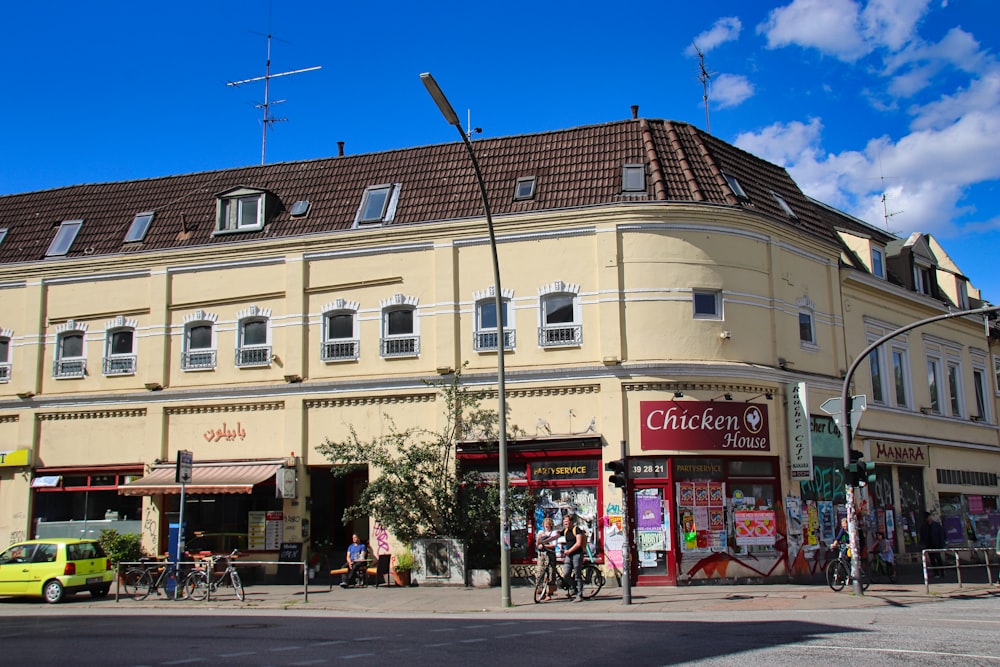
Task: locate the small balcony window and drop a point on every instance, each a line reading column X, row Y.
column 199, row 347
column 119, row 357
column 486, row 337
column 254, row 349
column 4, row 359
column 70, row 361
column 399, row 336
column 560, row 321
column 340, row 340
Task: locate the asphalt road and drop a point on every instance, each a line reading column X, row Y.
column 949, row 632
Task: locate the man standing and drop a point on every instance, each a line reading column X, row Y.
column 574, row 537
column 932, row 537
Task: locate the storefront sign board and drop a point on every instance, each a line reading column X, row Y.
column 799, row 432
column 902, row 453
column 15, row 457
column 704, row 425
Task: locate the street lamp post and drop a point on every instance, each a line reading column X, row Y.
column 847, row 429
column 449, row 114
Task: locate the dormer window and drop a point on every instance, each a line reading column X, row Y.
column 735, row 186
column 378, row 204
column 784, row 205
column 64, row 238
column 922, row 276
column 878, row 262
column 634, row 178
column 137, row 231
column 962, row 290
column 524, row 188
column 240, row 211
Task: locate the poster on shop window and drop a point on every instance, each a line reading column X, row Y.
column 702, row 508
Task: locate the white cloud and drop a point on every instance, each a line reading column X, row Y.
column 729, row 90
column 892, row 23
column 982, row 95
column 831, row 26
column 782, row 143
column 724, row 30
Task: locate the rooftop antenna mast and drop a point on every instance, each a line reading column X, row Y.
column 472, row 130
column 885, row 198
column 704, row 76
column 266, row 104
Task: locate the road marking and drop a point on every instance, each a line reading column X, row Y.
column 309, row 662
column 237, row 655
column 961, row 620
column 437, row 645
column 284, row 648
column 899, row 650
column 331, row 643
column 471, row 641
column 355, row 655
column 183, row 662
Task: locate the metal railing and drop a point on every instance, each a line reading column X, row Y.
column 4, row 372
column 560, row 336
column 69, row 368
column 485, row 341
column 119, row 364
column 340, row 350
column 198, row 360
column 400, row 346
column 958, row 564
column 123, row 567
column 258, row 355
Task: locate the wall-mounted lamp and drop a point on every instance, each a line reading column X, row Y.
column 25, row 394
column 293, row 379
column 678, row 394
column 726, row 396
column 768, row 395
column 725, row 335
column 153, row 386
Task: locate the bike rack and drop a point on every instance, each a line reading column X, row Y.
column 958, row 564
column 154, row 563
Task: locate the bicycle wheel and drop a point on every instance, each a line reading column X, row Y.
column 539, row 589
column 866, row 580
column 196, row 585
column 836, row 575
column 237, row 584
column 137, row 583
column 593, row 580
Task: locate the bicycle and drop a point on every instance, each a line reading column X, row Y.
column 593, row 580
column 838, row 571
column 139, row 582
column 200, row 585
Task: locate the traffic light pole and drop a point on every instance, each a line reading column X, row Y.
column 626, row 545
column 847, row 429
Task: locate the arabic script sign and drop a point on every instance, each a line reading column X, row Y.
column 699, row 425
column 225, row 433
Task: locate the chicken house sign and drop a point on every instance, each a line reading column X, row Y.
column 704, row 425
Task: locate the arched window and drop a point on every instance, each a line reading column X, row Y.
column 340, row 332
column 559, row 312
column 71, row 358
column 199, row 342
column 119, row 347
column 253, row 346
column 5, row 367
column 485, row 336
column 400, row 337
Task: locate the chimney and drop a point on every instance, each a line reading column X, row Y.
column 635, row 111
column 340, row 149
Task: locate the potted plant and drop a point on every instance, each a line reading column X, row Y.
column 402, row 567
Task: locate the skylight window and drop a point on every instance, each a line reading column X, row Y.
column 65, row 236
column 524, row 188
column 634, row 178
column 3, row 233
column 736, row 187
column 784, row 205
column 299, row 208
column 140, row 225
column 378, row 204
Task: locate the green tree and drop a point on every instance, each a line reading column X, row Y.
column 415, row 488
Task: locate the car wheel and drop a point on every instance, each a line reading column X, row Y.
column 100, row 591
column 53, row 592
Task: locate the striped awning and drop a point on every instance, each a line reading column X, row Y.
column 205, row 478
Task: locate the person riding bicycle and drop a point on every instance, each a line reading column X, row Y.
column 843, row 537
column 576, row 539
column 545, row 541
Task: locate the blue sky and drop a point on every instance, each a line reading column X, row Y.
column 854, row 98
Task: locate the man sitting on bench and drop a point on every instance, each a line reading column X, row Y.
column 357, row 563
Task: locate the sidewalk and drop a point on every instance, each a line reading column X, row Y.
column 424, row 600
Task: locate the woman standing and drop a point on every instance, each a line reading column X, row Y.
column 545, row 542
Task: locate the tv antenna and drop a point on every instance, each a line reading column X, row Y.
column 267, row 103
column 885, row 198
column 704, row 76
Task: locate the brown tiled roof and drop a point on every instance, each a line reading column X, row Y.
column 573, row 168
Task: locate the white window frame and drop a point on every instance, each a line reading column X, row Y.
column 996, row 375
column 956, row 399
column 194, row 359
column 734, row 185
column 253, row 355
column 399, row 345
column 484, row 337
column 559, row 334
column 923, row 277
column 346, row 348
column 980, row 392
column 934, row 385
column 714, row 294
column 70, row 366
column 524, row 188
column 877, row 379
column 878, row 261
column 386, row 212
column 6, row 336
column 64, row 238
column 231, row 217
column 901, row 376
column 119, row 363
column 807, row 310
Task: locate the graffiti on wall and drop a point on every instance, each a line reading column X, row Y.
column 827, row 483
column 381, row 539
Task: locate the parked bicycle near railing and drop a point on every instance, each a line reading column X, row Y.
column 199, row 585
column 154, row 576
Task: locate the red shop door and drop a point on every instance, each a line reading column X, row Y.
column 653, row 547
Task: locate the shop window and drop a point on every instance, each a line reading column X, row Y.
column 340, row 335
column 199, row 342
column 70, row 361
column 485, row 337
column 561, row 322
column 253, row 339
column 399, row 328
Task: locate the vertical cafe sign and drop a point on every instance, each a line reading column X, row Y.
column 799, row 432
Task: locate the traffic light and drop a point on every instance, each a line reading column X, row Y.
column 617, row 468
column 854, row 469
column 866, row 471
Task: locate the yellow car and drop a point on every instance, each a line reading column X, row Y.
column 55, row 567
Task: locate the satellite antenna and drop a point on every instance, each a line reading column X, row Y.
column 704, row 76
column 266, row 104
